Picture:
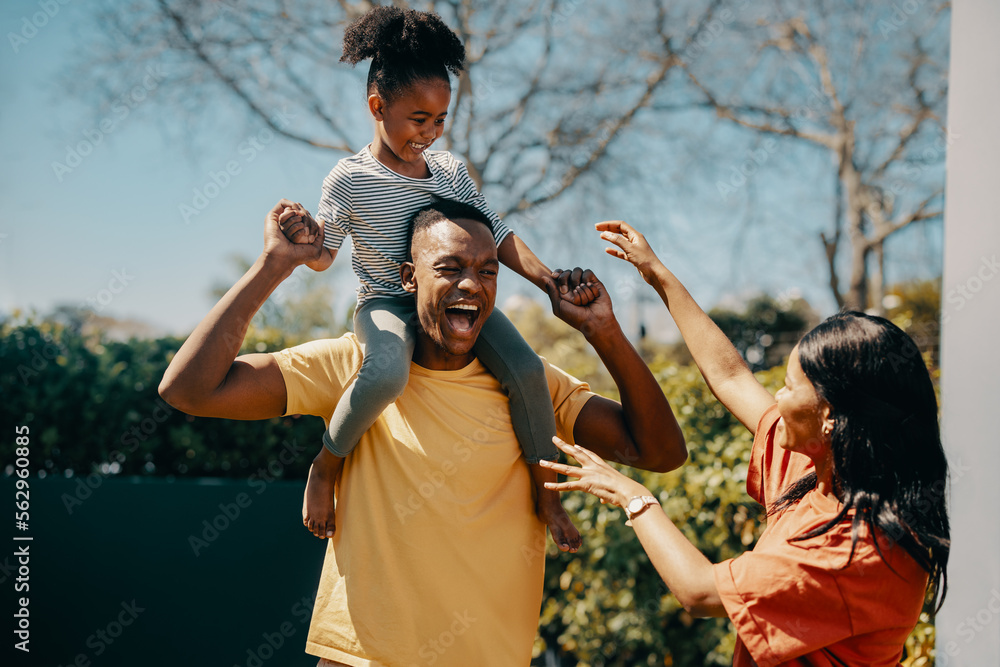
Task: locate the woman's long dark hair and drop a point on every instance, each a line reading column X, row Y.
column 888, row 462
column 405, row 46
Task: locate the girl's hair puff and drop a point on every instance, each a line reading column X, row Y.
column 405, row 46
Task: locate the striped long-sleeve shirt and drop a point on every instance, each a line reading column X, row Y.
column 364, row 198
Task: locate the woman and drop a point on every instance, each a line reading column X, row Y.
column 846, row 458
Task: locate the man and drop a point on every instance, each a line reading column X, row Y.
column 438, row 557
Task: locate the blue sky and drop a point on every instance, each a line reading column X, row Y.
column 108, row 231
column 118, row 210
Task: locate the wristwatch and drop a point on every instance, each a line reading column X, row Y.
column 637, row 505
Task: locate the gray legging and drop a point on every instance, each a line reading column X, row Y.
column 383, row 326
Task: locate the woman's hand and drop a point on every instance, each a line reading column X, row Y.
column 632, row 247
column 594, row 476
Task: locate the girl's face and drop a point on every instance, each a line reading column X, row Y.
column 409, row 124
column 803, row 414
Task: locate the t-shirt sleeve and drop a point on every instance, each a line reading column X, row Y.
column 317, row 373
column 569, row 395
column 467, row 193
column 335, row 206
column 783, row 602
column 772, row 468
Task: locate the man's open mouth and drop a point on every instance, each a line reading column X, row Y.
column 462, row 316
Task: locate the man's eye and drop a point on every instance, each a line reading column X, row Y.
column 488, row 272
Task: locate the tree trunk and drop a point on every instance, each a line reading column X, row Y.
column 855, row 205
column 857, row 292
column 878, row 280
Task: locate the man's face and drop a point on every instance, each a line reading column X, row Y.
column 454, row 278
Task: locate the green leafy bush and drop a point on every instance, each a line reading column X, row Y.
column 93, row 408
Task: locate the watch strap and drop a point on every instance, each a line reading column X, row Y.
column 646, row 502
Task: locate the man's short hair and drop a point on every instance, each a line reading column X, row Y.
column 444, row 209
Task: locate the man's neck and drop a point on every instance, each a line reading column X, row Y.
column 433, row 357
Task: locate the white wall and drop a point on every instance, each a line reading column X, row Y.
column 968, row 627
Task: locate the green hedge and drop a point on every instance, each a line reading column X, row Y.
column 93, row 409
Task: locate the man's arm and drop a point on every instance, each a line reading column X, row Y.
column 205, row 378
column 641, row 431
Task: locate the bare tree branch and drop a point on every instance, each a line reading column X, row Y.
column 184, row 31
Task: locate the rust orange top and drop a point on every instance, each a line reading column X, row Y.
column 802, row 603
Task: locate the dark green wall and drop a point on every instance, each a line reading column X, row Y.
column 93, row 554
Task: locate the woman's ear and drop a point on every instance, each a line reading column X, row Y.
column 408, row 277
column 828, row 423
column 376, row 105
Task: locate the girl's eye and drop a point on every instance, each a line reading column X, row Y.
column 439, row 121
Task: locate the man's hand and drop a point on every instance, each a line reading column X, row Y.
column 581, row 300
column 289, row 219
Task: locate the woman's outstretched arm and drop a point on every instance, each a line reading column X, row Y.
column 685, row 570
column 723, row 368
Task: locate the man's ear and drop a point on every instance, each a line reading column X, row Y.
column 376, row 105
column 408, row 277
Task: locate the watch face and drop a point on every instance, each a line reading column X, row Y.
column 635, row 505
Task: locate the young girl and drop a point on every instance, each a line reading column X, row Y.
column 847, row 459
column 372, row 196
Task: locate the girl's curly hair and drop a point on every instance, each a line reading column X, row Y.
column 405, row 46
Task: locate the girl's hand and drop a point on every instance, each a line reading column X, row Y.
column 277, row 244
column 594, row 476
column 632, row 246
column 298, row 226
column 576, row 286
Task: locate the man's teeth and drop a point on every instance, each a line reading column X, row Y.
column 465, row 306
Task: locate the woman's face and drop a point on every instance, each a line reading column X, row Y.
column 803, row 413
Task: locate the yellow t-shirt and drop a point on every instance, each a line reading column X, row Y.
column 438, row 557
